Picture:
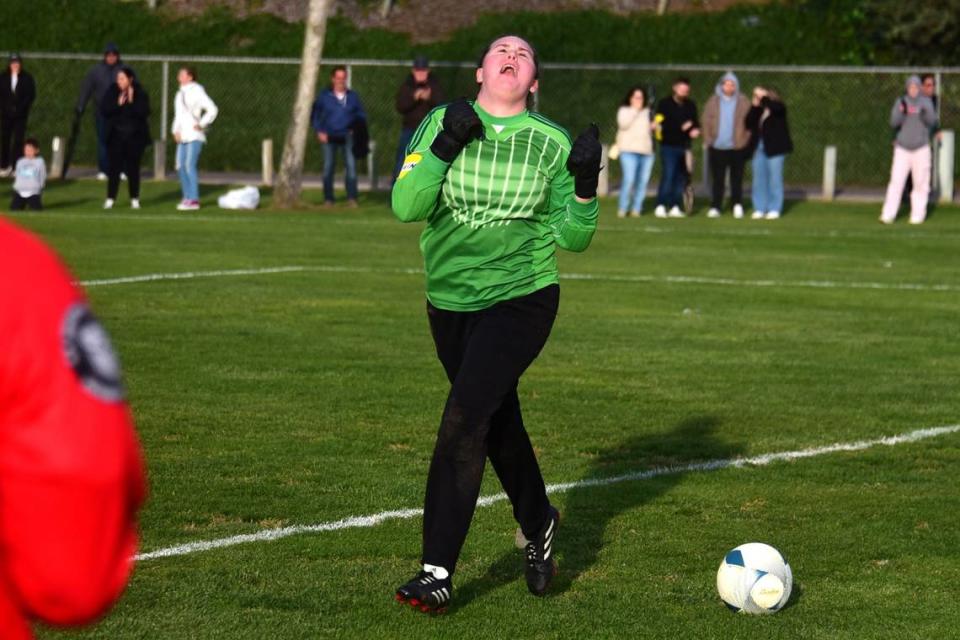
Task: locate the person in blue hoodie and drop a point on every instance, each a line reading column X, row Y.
column 337, row 112
column 727, row 138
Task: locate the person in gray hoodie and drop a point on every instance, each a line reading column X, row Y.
column 30, row 177
column 99, row 78
column 912, row 117
column 726, row 137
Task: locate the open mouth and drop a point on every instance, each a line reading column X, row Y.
column 509, row 68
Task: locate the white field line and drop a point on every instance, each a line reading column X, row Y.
column 599, row 277
column 375, row 519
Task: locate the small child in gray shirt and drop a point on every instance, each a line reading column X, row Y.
column 30, row 177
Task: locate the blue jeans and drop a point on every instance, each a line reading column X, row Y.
column 767, row 181
column 636, row 169
column 673, row 176
column 406, row 135
column 103, row 157
column 330, row 165
column 187, row 155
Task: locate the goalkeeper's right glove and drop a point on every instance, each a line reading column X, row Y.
column 461, row 124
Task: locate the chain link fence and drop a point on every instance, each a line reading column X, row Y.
column 845, row 107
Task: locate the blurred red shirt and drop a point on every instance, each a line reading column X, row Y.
column 71, row 471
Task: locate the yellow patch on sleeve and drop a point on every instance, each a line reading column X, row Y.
column 409, row 163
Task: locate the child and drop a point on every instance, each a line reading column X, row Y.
column 30, row 176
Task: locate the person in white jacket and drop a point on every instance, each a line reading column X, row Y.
column 636, row 151
column 193, row 111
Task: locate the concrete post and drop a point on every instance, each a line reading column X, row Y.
column 829, row 173
column 946, row 164
column 56, row 162
column 164, row 99
column 266, row 162
column 603, row 185
column 159, row 160
column 372, row 166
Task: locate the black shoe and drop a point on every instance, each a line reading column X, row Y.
column 541, row 565
column 427, row 593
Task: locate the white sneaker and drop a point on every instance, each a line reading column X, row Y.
column 108, row 203
column 123, row 176
column 621, row 214
column 635, row 214
column 713, row 213
column 675, row 212
column 101, row 176
column 738, row 211
column 660, row 211
column 773, row 215
column 885, row 221
column 135, row 203
column 915, row 221
column 757, row 215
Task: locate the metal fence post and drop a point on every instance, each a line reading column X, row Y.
column 56, row 164
column 829, row 173
column 165, row 97
column 159, row 160
column 946, row 164
column 603, row 184
column 372, row 165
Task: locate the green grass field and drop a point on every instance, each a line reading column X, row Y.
column 304, row 397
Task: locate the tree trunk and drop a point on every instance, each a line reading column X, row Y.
column 286, row 193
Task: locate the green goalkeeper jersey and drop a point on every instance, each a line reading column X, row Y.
column 497, row 213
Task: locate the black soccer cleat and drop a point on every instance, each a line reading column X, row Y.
column 541, row 565
column 427, row 593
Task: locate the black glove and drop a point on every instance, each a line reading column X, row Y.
column 584, row 162
column 461, row 124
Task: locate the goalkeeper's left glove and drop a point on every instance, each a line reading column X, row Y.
column 584, row 162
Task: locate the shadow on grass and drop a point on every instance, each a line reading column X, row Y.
column 590, row 508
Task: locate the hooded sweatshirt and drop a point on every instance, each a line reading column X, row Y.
column 913, row 118
column 724, row 117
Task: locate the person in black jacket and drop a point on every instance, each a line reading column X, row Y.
column 676, row 125
column 770, row 137
column 125, row 107
column 99, row 78
column 17, row 93
column 419, row 93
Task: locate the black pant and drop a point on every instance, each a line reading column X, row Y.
column 19, row 203
column 11, row 130
column 720, row 161
column 124, row 157
column 484, row 353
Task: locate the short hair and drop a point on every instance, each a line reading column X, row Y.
column 681, row 80
column 927, row 76
column 536, row 56
column 633, row 90
column 191, row 71
column 33, row 142
column 337, row 68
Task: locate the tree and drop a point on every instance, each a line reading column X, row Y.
column 286, row 193
column 923, row 33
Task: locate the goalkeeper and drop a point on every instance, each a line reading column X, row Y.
column 500, row 188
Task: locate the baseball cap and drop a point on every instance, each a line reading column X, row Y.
column 421, row 62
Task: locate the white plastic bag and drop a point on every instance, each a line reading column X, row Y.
column 245, row 198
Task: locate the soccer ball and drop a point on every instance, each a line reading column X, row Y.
column 754, row 578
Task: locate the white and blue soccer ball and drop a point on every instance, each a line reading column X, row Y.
column 754, row 578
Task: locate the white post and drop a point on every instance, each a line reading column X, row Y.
column 372, row 165
column 165, row 97
column 56, row 163
column 945, row 164
column 159, row 160
column 829, row 173
column 266, row 160
column 603, row 184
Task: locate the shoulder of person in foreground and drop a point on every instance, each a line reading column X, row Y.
column 70, row 464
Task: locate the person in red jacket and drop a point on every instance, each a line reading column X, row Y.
column 71, row 472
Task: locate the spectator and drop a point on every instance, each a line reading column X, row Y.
column 676, row 125
column 125, row 107
column 770, row 133
column 913, row 117
column 635, row 143
column 194, row 111
column 17, row 93
column 337, row 111
column 99, row 78
column 929, row 89
column 29, row 178
column 70, row 465
column 419, row 93
column 726, row 137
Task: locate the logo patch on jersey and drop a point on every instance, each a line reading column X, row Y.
column 90, row 354
column 409, row 163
